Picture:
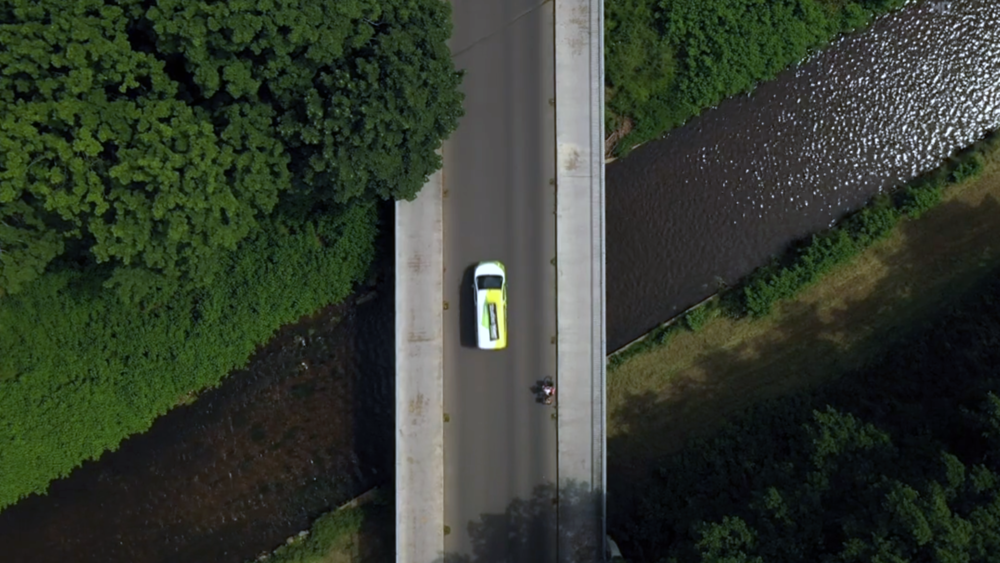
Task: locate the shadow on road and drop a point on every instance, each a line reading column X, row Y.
column 467, row 310
column 550, row 525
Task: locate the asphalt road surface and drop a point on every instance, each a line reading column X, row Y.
column 500, row 445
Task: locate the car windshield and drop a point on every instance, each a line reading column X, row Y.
column 489, row 282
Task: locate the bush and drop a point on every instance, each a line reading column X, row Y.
column 967, row 168
column 765, row 287
column 918, row 198
column 639, row 62
column 696, row 318
column 80, row 370
column 334, row 529
column 326, row 533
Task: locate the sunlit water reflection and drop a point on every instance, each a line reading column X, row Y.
column 717, row 197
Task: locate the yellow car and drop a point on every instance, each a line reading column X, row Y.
column 489, row 290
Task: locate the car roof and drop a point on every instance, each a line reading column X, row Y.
column 491, row 268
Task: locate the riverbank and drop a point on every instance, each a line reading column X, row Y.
column 686, row 380
column 81, row 370
column 883, row 464
column 304, row 427
column 713, row 200
column 667, row 61
column 361, row 531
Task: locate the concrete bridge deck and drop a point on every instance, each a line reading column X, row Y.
column 528, row 157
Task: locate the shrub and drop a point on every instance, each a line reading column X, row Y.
column 334, row 529
column 917, row 199
column 969, row 167
column 696, row 318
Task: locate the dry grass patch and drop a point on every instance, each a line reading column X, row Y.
column 660, row 399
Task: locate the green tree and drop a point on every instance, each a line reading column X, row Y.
column 153, row 136
column 363, row 91
column 727, row 542
column 94, row 146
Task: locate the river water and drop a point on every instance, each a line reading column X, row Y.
column 716, row 198
column 306, row 427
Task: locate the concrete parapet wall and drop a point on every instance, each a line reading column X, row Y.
column 419, row 376
column 580, row 279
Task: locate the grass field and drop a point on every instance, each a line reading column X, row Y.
column 687, row 388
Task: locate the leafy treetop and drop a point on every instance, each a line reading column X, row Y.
column 153, row 135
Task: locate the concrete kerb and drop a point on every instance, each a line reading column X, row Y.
column 580, row 277
column 419, row 468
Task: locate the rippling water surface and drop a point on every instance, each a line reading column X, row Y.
column 717, row 197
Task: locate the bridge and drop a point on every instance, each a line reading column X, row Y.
column 483, row 472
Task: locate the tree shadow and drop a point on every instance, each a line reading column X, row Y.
column 553, row 524
column 667, row 435
column 467, row 310
column 375, row 362
column 375, row 391
column 375, row 540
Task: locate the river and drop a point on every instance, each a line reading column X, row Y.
column 717, row 197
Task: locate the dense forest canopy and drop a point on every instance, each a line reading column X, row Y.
column 153, row 135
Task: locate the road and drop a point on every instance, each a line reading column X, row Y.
column 500, row 446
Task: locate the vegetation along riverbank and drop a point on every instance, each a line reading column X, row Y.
column 177, row 187
column 839, row 303
column 668, row 61
column 895, row 461
column 361, row 532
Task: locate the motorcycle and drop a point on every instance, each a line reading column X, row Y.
column 548, row 391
